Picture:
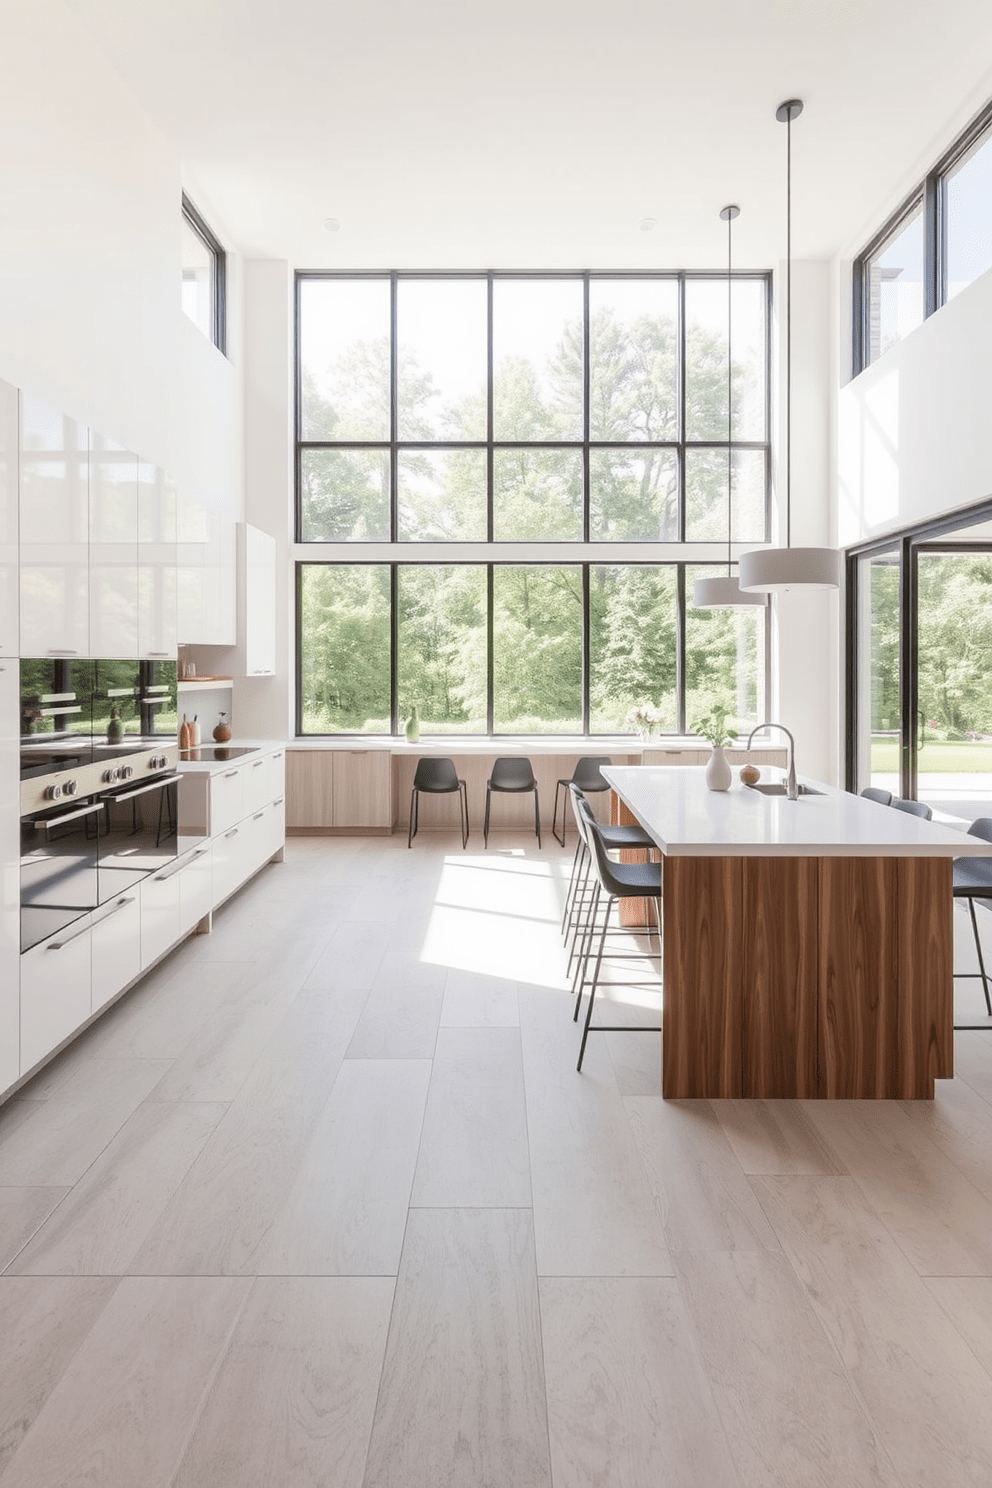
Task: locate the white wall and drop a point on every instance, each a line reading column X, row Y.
column 90, row 315
column 913, row 428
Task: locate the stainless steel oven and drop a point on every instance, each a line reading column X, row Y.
column 99, row 786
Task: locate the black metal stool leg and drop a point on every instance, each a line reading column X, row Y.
column 485, row 828
column 537, row 816
column 564, row 815
column 981, row 958
column 413, row 818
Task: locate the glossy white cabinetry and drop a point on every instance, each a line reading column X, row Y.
column 115, row 938
column 207, row 557
column 10, row 908
column 227, row 800
column 9, row 596
column 264, row 779
column 55, row 993
column 196, row 888
column 113, row 548
column 257, row 555
column 160, row 914
column 54, row 532
column 157, row 579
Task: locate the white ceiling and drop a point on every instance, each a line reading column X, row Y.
column 538, row 133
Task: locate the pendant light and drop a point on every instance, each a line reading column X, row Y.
column 766, row 570
column 721, row 590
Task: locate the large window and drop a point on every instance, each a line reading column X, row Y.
column 203, row 276
column 938, row 242
column 518, row 648
column 506, row 485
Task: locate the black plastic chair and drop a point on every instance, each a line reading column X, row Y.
column 615, row 881
column 587, row 777
column 876, row 793
column 913, row 808
column 437, row 777
column 579, row 895
column 514, row 774
column 972, row 879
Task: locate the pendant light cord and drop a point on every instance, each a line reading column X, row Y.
column 788, row 331
column 730, row 392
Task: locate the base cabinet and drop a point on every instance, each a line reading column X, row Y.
column 55, row 993
column 159, row 915
column 116, row 949
column 196, row 888
column 339, row 788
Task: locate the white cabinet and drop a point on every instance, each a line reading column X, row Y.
column 227, row 800
column 54, row 532
column 55, row 992
column 207, row 575
column 160, row 914
column 264, row 779
column 9, row 557
column 157, row 582
column 229, row 858
column 115, row 947
column 113, row 548
column 9, row 876
column 257, row 554
column 196, row 888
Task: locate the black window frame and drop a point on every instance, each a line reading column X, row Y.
column 682, row 728
column 585, row 445
column 218, row 279
column 931, row 194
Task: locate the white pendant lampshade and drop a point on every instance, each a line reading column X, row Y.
column 723, row 590
column 772, row 570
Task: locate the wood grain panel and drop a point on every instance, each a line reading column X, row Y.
column 858, row 1030
column 704, row 938
column 926, row 987
column 309, row 788
column 779, row 978
column 632, row 912
column 361, row 788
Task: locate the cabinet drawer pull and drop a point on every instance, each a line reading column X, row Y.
column 53, row 651
column 278, row 800
column 121, row 904
column 158, row 653
column 56, row 945
column 232, row 833
column 258, row 816
column 277, row 756
column 230, row 774
column 257, row 764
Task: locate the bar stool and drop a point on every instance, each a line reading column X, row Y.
column 972, row 879
column 438, row 777
column 617, row 839
column 587, row 777
column 913, row 808
column 514, row 774
column 876, row 793
column 616, row 881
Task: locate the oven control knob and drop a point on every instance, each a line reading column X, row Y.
column 53, row 793
column 126, row 772
column 157, row 762
column 70, row 788
column 111, row 776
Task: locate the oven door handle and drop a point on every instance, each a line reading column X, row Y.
column 143, row 790
column 68, row 816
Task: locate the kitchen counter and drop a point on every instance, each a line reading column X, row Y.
column 808, row 944
column 217, row 764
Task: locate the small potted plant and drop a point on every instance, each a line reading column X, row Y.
column 647, row 720
column 713, row 728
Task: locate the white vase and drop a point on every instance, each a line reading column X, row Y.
column 718, row 776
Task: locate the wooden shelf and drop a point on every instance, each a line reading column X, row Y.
column 204, row 684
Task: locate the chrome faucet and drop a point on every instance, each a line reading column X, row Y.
column 791, row 789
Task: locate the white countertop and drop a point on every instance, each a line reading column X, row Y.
column 461, row 744
column 687, row 820
column 206, row 766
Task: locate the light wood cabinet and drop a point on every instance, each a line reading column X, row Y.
column 361, row 788
column 309, row 788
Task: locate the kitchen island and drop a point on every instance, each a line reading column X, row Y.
column 807, row 943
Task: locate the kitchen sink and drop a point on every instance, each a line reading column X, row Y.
column 776, row 788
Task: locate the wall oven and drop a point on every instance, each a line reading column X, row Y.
column 100, row 806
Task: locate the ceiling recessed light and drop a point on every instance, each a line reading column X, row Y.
column 331, row 224
column 647, row 223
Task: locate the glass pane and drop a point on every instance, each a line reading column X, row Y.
column 537, row 495
column 441, row 662
column 954, row 738
column 442, row 495
column 706, row 495
column 724, row 660
column 706, row 358
column 537, row 359
column 632, row 646
column 345, row 495
column 895, row 286
column 633, row 351
column 198, row 280
column 633, row 495
column 969, row 217
column 878, row 672
column 344, row 359
column 537, row 650
column 443, row 358
column 344, row 648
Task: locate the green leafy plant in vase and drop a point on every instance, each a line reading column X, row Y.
column 713, row 728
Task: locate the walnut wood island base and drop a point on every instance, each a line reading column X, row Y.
column 792, row 972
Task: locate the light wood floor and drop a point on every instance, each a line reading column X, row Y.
column 324, row 1202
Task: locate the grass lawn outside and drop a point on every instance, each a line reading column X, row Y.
column 961, row 757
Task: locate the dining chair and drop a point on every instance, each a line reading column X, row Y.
column 971, row 880
column 588, row 778
column 514, row 774
column 437, row 777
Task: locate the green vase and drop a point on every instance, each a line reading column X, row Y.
column 412, row 727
